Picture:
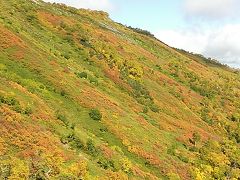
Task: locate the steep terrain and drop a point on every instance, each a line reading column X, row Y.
column 83, row 97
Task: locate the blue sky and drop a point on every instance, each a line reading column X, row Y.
column 161, row 14
column 209, row 27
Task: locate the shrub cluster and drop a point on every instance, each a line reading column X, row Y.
column 95, row 114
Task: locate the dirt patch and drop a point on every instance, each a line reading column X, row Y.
column 92, row 98
column 54, row 20
column 9, row 39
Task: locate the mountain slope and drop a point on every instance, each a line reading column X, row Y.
column 85, row 97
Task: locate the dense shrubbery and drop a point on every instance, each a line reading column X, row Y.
column 142, row 95
column 95, row 114
column 15, row 105
column 68, row 39
column 63, row 118
column 218, row 160
column 235, row 117
column 91, row 149
column 33, row 79
column 141, row 31
column 73, row 141
column 205, row 115
column 93, row 80
column 85, row 42
column 31, row 17
column 8, row 100
column 106, row 164
column 66, row 55
column 82, row 75
column 195, row 138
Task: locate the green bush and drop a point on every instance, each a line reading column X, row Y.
column 159, row 68
column 85, row 42
column 193, row 149
column 106, row 164
column 183, row 158
column 18, row 108
column 68, row 39
column 11, row 101
column 28, row 110
column 66, row 55
column 62, row 118
column 173, row 176
column 77, row 143
column 31, row 17
column 172, row 149
column 82, row 75
column 154, row 108
column 95, row 114
column 73, row 141
column 91, row 148
column 93, row 80
column 235, row 117
column 141, row 31
column 103, row 130
column 62, row 93
column 145, row 110
column 196, row 137
column 14, row 103
column 62, row 25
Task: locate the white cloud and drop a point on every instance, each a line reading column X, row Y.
column 211, row 9
column 104, row 5
column 185, row 39
column 222, row 43
column 217, row 35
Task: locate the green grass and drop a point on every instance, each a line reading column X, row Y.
column 142, row 72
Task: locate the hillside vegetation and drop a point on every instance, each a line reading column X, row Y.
column 83, row 97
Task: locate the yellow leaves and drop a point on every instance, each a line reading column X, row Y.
column 115, row 116
column 2, row 147
column 2, row 67
column 9, row 115
column 173, row 176
column 135, row 72
column 218, row 159
column 235, row 173
column 134, row 69
column 115, row 176
column 207, row 169
column 117, row 148
column 134, row 148
column 126, row 142
column 58, row 165
column 208, row 172
column 126, row 165
column 52, row 165
column 19, row 169
column 197, row 174
column 54, row 162
column 78, row 169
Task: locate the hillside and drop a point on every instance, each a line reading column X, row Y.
column 83, row 97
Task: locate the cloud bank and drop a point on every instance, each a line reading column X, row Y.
column 211, row 30
column 222, row 44
column 211, row 9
